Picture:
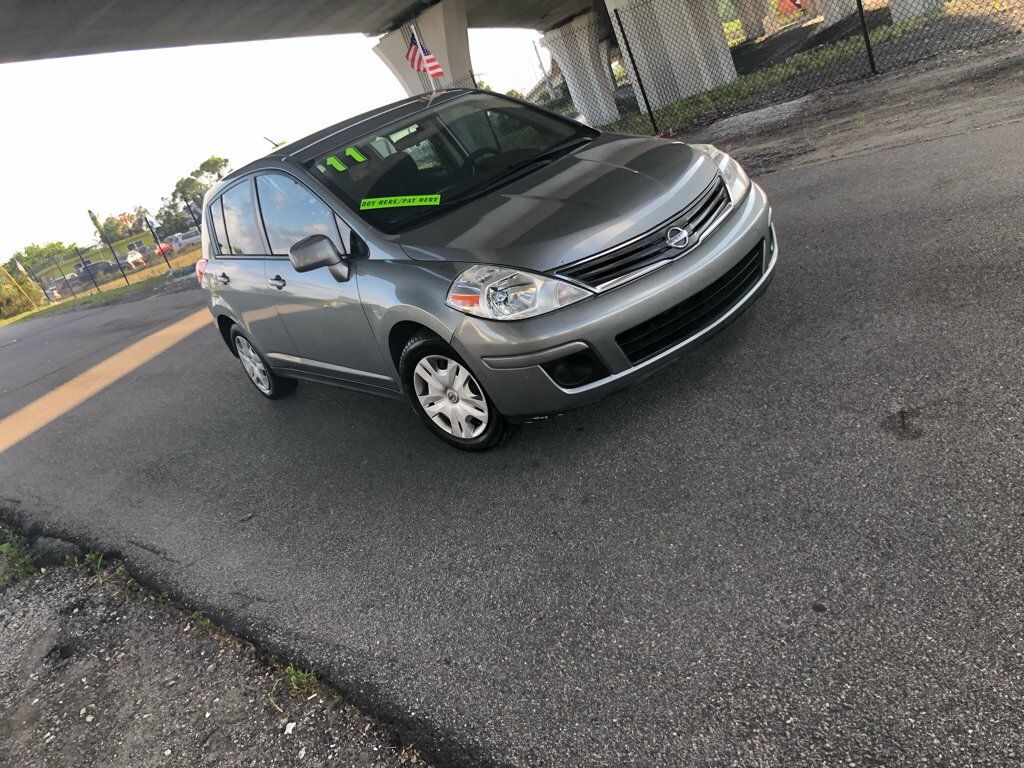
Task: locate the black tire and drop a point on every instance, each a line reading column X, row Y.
column 497, row 429
column 277, row 386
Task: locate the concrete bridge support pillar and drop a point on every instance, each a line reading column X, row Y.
column 835, row 11
column 679, row 47
column 902, row 10
column 444, row 29
column 751, row 14
column 582, row 56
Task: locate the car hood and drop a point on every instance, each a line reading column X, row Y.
column 615, row 188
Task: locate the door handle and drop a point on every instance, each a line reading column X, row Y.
column 223, row 278
column 277, row 282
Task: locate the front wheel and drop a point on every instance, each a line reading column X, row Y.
column 447, row 396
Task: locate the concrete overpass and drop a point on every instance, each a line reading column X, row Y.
column 678, row 45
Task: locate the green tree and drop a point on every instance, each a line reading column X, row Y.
column 114, row 228
column 172, row 217
column 211, row 169
column 515, row 93
column 12, row 300
column 189, row 189
column 40, row 256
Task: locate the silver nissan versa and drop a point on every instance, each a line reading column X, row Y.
column 486, row 259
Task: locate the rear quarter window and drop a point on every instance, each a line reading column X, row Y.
column 241, row 225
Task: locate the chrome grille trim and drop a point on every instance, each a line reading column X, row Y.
column 648, row 252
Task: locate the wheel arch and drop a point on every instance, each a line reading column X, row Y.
column 224, row 324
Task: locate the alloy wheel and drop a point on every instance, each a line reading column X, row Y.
column 253, row 365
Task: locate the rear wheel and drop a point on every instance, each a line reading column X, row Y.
column 267, row 383
column 448, row 397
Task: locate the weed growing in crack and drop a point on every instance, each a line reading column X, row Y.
column 16, row 562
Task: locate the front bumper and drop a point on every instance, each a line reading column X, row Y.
column 507, row 356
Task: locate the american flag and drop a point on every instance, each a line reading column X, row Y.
column 422, row 60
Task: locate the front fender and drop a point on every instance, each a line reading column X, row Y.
column 398, row 295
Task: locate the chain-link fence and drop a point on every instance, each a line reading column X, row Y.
column 661, row 66
column 79, row 272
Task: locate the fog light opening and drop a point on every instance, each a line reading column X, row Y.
column 576, row 370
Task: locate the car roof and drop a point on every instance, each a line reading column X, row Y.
column 312, row 145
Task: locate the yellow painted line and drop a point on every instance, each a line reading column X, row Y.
column 55, row 403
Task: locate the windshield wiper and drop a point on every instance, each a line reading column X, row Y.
column 508, row 175
column 526, row 166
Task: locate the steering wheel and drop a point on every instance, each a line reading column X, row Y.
column 479, row 154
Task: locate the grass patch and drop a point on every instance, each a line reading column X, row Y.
column 90, row 565
column 300, row 681
column 109, row 296
column 16, row 562
column 202, row 624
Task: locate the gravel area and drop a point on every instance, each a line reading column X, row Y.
column 95, row 672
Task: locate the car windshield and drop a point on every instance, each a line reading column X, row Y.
column 433, row 162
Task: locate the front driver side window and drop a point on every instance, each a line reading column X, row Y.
column 291, row 213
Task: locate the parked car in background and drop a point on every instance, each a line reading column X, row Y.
column 135, row 260
column 487, row 260
column 161, row 250
column 97, row 269
column 183, row 240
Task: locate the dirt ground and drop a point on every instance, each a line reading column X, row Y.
column 951, row 95
column 95, row 673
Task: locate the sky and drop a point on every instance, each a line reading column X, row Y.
column 113, row 131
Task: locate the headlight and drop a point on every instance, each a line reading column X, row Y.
column 736, row 179
column 498, row 293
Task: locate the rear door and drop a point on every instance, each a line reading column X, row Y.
column 239, row 268
column 322, row 315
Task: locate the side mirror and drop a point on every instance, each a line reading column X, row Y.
column 318, row 251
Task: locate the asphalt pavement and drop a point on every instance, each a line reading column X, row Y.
column 800, row 545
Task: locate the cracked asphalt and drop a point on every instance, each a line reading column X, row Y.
column 800, row 545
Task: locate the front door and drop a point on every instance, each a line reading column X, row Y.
column 323, row 316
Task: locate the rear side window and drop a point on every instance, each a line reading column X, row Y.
column 292, row 212
column 240, row 223
column 217, row 222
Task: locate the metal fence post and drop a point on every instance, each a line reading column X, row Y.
column 103, row 235
column 156, row 243
column 188, row 206
column 867, row 37
column 62, row 274
column 85, row 268
column 636, row 72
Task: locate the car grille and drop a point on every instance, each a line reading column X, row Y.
column 682, row 321
column 644, row 254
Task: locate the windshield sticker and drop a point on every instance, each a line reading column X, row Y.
column 336, row 164
column 355, row 154
column 372, row 203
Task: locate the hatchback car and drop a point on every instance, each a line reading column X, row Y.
column 488, row 260
column 183, row 240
